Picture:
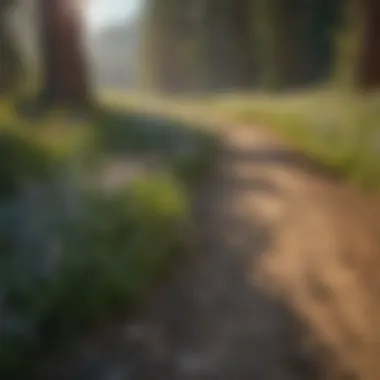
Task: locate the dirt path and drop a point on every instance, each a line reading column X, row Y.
column 275, row 247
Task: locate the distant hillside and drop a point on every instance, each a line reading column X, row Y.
column 114, row 54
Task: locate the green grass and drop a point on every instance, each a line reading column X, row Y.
column 111, row 246
column 341, row 131
column 338, row 129
column 186, row 148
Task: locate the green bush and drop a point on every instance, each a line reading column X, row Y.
column 186, row 150
column 115, row 251
column 77, row 266
column 21, row 160
column 73, row 253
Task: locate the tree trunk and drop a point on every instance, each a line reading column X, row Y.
column 303, row 43
column 65, row 70
column 369, row 61
column 243, row 31
column 11, row 67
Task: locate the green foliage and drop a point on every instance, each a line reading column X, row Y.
column 104, row 258
column 348, row 43
column 186, row 150
column 338, row 129
column 21, row 159
column 113, row 253
column 72, row 252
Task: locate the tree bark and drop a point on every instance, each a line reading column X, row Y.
column 11, row 67
column 369, row 61
column 246, row 65
column 63, row 54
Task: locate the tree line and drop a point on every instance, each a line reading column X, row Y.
column 257, row 44
column 209, row 45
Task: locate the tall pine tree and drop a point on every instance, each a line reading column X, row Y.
column 65, row 70
column 369, row 60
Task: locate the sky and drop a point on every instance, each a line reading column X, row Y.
column 101, row 13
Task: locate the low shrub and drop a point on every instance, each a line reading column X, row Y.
column 187, row 150
column 114, row 251
column 73, row 253
column 21, row 160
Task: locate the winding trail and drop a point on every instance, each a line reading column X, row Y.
column 281, row 276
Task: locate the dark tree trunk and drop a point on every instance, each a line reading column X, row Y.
column 246, row 65
column 65, row 69
column 11, row 67
column 164, row 40
column 369, row 61
column 303, row 40
column 228, row 45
